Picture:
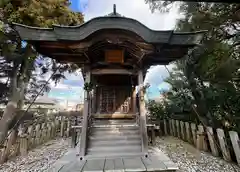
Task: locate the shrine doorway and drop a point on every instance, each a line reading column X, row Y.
column 114, row 99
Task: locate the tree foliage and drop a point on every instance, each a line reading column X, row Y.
column 19, row 62
column 208, row 78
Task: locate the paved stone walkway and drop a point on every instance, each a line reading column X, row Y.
column 189, row 159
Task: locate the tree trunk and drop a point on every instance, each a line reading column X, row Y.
column 8, row 116
column 18, row 87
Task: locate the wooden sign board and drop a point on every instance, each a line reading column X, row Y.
column 114, row 56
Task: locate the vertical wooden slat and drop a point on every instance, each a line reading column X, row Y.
column 236, row 144
column 62, row 126
column 44, row 133
column 49, row 129
column 153, row 135
column 182, row 129
column 193, row 130
column 30, row 136
column 53, row 129
column 201, row 140
column 23, row 144
column 165, row 127
column 3, row 153
column 178, row 128
column 16, row 148
column 170, row 127
column 68, row 128
column 143, row 126
column 38, row 134
column 223, row 144
column 188, row 135
column 85, row 118
column 174, row 128
column 212, row 141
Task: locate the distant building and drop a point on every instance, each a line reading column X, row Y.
column 44, row 104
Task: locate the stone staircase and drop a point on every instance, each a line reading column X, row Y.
column 110, row 138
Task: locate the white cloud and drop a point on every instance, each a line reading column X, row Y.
column 157, row 74
column 136, row 9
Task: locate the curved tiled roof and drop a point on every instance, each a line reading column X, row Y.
column 80, row 32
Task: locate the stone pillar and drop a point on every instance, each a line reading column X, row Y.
column 83, row 142
column 143, row 120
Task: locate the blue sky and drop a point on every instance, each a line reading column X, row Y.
column 71, row 88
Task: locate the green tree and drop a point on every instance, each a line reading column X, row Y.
column 211, row 70
column 20, row 59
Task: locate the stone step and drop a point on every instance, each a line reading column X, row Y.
column 114, row 122
column 106, row 150
column 115, row 142
column 113, row 137
column 114, row 132
column 114, row 127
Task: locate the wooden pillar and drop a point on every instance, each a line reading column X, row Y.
column 83, row 139
column 143, row 121
column 94, row 101
column 134, row 108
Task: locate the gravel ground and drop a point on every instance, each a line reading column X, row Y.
column 189, row 159
column 183, row 154
column 39, row 159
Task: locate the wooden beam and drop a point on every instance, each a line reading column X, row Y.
column 83, row 141
column 113, row 72
column 143, row 120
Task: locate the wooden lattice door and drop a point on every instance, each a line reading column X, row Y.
column 107, row 100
